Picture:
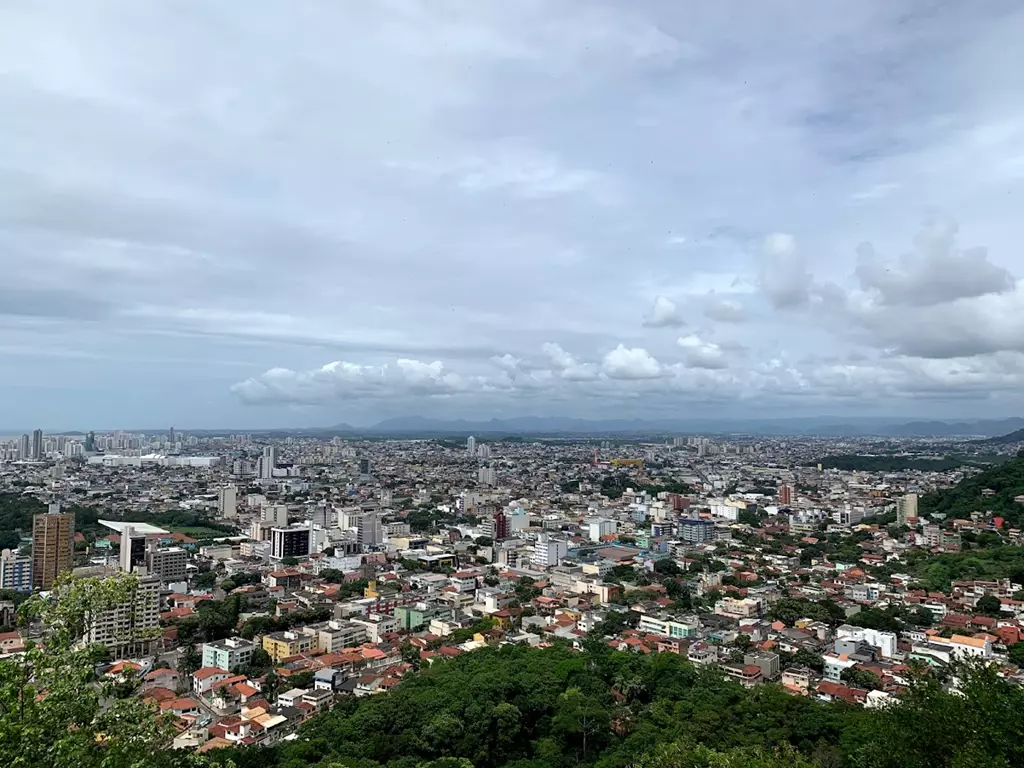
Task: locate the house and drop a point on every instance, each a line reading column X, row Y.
column 748, row 675
column 161, row 678
column 289, row 698
column 205, row 678
column 797, row 680
column 182, row 706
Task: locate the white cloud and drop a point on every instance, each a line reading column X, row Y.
column 342, row 380
column 625, row 363
column 664, row 314
column 936, row 272
column 702, row 354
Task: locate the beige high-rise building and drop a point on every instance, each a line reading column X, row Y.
column 52, row 546
column 906, row 509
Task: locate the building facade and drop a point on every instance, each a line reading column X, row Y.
column 52, row 535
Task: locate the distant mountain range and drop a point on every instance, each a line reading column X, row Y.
column 992, row 431
column 822, row 426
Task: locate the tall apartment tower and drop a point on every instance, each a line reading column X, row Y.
column 371, row 531
column 131, row 628
column 785, row 495
column 268, row 462
column 906, row 508
column 52, row 545
column 471, row 446
column 37, row 445
column 227, row 502
column 25, row 447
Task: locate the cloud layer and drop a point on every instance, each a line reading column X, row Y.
column 481, row 209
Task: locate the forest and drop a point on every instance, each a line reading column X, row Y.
column 851, row 462
column 536, row 708
column 1006, row 481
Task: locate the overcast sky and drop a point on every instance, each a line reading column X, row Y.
column 222, row 214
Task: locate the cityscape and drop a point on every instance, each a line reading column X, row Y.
column 533, row 384
column 274, row 579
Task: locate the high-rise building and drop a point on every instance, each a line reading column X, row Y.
column 906, row 509
column 548, row 552
column 25, row 447
column 15, row 571
column 321, row 515
column 268, row 462
column 471, row 446
column 370, row 532
column 364, row 466
column 171, row 437
column 696, row 531
column 167, row 564
column 90, row 442
column 52, row 545
column 289, row 542
column 37, row 445
column 275, row 514
column 132, row 628
column 785, row 495
column 483, row 451
column 133, row 549
column 227, row 502
column 485, row 476
column 499, row 526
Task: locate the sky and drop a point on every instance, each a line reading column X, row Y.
column 309, row 213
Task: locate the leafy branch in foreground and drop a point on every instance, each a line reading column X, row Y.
column 54, row 709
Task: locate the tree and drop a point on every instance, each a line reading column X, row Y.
column 410, row 654
column 580, row 716
column 861, row 678
column 667, row 567
column 53, row 709
column 1016, row 654
column 290, row 561
column 989, row 605
column 189, row 660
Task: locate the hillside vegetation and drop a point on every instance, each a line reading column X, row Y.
column 852, row 462
column 1005, row 480
column 546, row 708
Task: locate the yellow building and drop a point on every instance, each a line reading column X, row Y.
column 281, row 645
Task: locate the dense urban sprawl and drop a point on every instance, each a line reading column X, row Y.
column 264, row 580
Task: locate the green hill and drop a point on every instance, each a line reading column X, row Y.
column 1009, row 439
column 1006, row 480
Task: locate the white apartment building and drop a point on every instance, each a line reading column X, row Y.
column 666, row 627
column 548, row 552
column 596, row 529
column 884, row 641
column 15, row 571
column 132, row 628
column 229, row 653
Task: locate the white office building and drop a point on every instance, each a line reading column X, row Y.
column 548, row 552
